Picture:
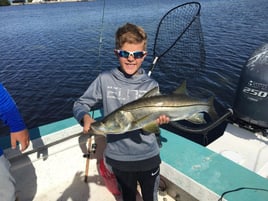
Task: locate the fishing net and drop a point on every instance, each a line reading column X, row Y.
column 179, row 45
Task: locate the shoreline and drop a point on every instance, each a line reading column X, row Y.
column 46, row 2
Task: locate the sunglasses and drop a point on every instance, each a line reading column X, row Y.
column 126, row 54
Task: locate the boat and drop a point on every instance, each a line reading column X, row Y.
column 62, row 165
column 53, row 167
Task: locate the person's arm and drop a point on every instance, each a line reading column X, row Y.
column 82, row 106
column 10, row 115
column 18, row 130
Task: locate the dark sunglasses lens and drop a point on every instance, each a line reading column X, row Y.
column 138, row 54
column 124, row 54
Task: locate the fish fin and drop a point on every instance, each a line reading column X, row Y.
column 197, row 118
column 181, row 89
column 151, row 128
column 153, row 92
column 212, row 112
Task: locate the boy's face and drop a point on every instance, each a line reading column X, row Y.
column 130, row 64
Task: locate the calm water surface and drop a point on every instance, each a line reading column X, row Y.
column 50, row 53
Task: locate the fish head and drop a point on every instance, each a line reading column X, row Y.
column 111, row 125
column 97, row 128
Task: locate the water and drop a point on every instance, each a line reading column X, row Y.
column 50, row 53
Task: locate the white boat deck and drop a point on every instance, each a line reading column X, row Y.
column 245, row 148
column 57, row 173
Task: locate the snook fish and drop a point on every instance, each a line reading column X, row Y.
column 143, row 112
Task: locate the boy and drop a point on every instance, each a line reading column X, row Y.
column 10, row 115
column 133, row 156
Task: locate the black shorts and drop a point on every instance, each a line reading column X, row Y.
column 148, row 180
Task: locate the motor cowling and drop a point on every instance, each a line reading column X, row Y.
column 251, row 102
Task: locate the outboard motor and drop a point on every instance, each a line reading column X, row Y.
column 251, row 103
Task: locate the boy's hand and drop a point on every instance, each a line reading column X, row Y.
column 87, row 123
column 163, row 119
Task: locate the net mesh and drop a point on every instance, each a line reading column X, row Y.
column 180, row 45
column 173, row 25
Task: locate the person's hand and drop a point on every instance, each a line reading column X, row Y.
column 163, row 119
column 87, row 123
column 22, row 137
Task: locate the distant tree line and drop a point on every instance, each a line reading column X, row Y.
column 18, row 1
column 4, row 3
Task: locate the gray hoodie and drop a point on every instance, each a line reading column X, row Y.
column 114, row 89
